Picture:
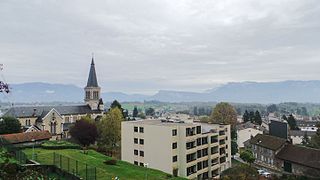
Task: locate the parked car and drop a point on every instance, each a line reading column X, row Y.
column 264, row 173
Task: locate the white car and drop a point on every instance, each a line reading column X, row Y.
column 264, row 173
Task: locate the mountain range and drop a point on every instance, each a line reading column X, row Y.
column 242, row 92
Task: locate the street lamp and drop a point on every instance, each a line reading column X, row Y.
column 146, row 166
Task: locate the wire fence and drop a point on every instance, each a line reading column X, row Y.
column 20, row 156
column 75, row 167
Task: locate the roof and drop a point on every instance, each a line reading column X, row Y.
column 247, row 125
column 267, row 141
column 300, row 155
column 42, row 111
column 26, row 137
column 301, row 133
column 92, row 79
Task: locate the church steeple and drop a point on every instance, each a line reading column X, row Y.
column 92, row 79
column 92, row 90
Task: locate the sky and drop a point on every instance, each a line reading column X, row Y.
column 143, row 46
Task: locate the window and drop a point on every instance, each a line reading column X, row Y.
column 136, row 152
column 191, row 157
column 87, row 94
column 142, row 141
column 136, row 163
column 199, row 142
column 142, row 153
column 214, row 150
column 95, row 94
column 198, row 129
column 190, row 145
column 67, row 119
column 136, row 140
column 141, row 164
column 174, row 158
column 174, row 132
column 53, row 127
column 191, row 170
column 205, row 152
column 141, row 129
column 199, row 154
column 199, row 166
column 190, row 131
column 174, row 145
column 135, row 129
column 214, row 139
column 204, row 140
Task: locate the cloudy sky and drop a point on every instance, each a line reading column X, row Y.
column 143, row 46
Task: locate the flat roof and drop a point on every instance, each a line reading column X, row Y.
column 158, row 122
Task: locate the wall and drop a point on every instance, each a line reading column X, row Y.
column 245, row 134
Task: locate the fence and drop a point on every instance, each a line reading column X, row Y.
column 75, row 167
column 20, row 156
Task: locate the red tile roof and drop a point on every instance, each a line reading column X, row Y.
column 26, row 137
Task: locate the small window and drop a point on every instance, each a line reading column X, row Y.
column 135, row 129
column 198, row 129
column 136, row 140
column 142, row 141
column 136, row 152
column 174, row 158
column 142, row 153
column 141, row 129
column 174, row 132
column 136, row 163
column 141, row 164
column 174, row 145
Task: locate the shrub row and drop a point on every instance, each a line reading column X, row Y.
column 59, row 145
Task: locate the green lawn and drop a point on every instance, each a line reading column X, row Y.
column 123, row 170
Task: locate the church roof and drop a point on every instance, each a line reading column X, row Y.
column 92, row 79
column 42, row 111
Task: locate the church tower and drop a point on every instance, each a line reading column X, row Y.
column 92, row 90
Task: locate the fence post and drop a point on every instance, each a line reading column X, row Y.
column 86, row 171
column 60, row 162
column 95, row 173
column 68, row 164
column 76, row 167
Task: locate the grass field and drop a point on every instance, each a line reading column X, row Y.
column 123, row 170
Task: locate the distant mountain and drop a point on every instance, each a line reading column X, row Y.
column 242, row 92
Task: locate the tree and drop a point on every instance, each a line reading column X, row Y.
column 292, row 123
column 9, row 125
column 150, row 112
column 247, row 156
column 272, row 108
column 245, row 116
column 84, row 132
column 305, row 139
column 284, row 117
column 224, row 113
column 115, row 104
column 315, row 139
column 234, row 147
column 251, row 116
column 257, row 118
column 110, row 129
column 135, row 112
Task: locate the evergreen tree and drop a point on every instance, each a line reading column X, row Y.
column 257, row 118
column 292, row 123
column 284, row 117
column 9, row 125
column 251, row 116
column 245, row 116
column 150, row 112
column 135, row 112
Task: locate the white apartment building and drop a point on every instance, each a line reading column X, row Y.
column 191, row 150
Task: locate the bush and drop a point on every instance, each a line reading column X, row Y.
column 59, row 145
column 111, row 162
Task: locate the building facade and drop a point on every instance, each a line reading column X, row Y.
column 264, row 149
column 191, row 150
column 57, row 119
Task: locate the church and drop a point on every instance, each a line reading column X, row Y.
column 58, row 119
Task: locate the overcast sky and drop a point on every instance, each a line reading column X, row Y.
column 142, row 46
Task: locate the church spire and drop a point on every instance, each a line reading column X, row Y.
column 92, row 79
